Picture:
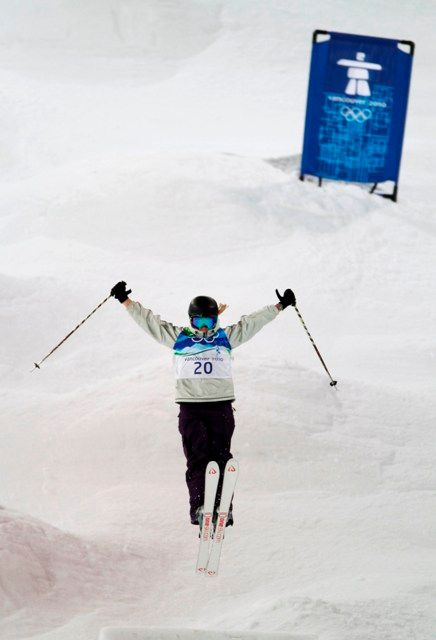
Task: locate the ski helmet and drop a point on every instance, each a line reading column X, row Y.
column 203, row 306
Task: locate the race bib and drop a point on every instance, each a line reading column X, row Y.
column 203, row 358
column 209, row 364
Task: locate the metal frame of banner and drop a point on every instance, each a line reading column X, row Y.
column 391, row 196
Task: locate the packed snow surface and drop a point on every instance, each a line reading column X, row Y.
column 159, row 633
column 158, row 142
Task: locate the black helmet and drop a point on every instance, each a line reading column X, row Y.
column 203, row 306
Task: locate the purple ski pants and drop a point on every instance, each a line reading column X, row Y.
column 206, row 429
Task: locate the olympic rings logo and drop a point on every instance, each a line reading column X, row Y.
column 353, row 114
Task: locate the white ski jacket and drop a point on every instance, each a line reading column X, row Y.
column 202, row 362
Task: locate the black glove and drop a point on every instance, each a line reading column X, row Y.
column 287, row 299
column 119, row 291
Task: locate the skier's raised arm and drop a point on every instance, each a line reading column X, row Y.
column 248, row 326
column 162, row 331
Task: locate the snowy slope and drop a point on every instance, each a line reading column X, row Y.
column 138, row 143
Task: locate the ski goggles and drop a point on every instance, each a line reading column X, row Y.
column 198, row 322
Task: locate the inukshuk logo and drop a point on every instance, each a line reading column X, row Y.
column 358, row 74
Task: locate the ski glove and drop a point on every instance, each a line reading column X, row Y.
column 287, row 299
column 119, row 291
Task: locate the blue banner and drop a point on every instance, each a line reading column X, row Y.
column 356, row 108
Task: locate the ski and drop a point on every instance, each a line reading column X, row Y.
column 229, row 483
column 210, row 489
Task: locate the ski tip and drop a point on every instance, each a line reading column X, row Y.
column 211, row 574
column 212, row 468
column 232, row 465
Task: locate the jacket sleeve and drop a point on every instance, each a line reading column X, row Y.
column 163, row 332
column 249, row 325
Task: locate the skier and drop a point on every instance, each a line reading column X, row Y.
column 204, row 387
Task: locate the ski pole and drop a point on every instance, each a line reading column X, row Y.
column 37, row 364
column 333, row 383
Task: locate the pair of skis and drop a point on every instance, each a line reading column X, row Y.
column 211, row 541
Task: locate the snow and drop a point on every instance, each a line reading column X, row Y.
column 191, row 634
column 158, row 143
